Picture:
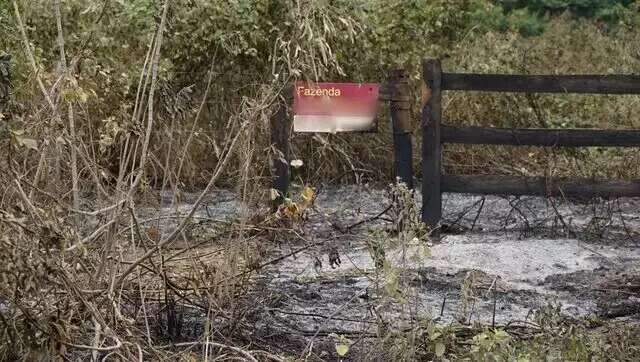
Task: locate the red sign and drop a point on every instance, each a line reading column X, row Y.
column 334, row 107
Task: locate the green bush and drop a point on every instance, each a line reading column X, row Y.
column 610, row 12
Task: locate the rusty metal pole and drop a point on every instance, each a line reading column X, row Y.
column 401, row 120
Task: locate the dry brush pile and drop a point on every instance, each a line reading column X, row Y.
column 82, row 275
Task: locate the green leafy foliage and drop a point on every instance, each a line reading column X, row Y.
column 491, row 345
column 530, row 17
column 584, row 8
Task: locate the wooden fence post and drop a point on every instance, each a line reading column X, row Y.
column 401, row 121
column 431, row 145
column 280, row 131
column 5, row 81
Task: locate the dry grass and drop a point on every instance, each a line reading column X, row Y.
column 82, row 275
column 566, row 48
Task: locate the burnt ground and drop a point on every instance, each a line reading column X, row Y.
column 498, row 261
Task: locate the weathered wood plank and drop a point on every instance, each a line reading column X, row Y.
column 431, row 145
column 539, row 186
column 596, row 84
column 541, row 137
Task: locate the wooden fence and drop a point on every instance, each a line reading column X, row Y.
column 5, row 81
column 435, row 134
column 395, row 90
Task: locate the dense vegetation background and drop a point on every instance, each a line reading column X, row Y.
column 236, row 42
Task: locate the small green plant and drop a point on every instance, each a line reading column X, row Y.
column 492, row 345
column 467, row 298
column 342, row 344
column 393, row 252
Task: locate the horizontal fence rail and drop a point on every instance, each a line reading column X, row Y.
column 589, row 84
column 539, row 186
column 434, row 134
column 541, row 137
